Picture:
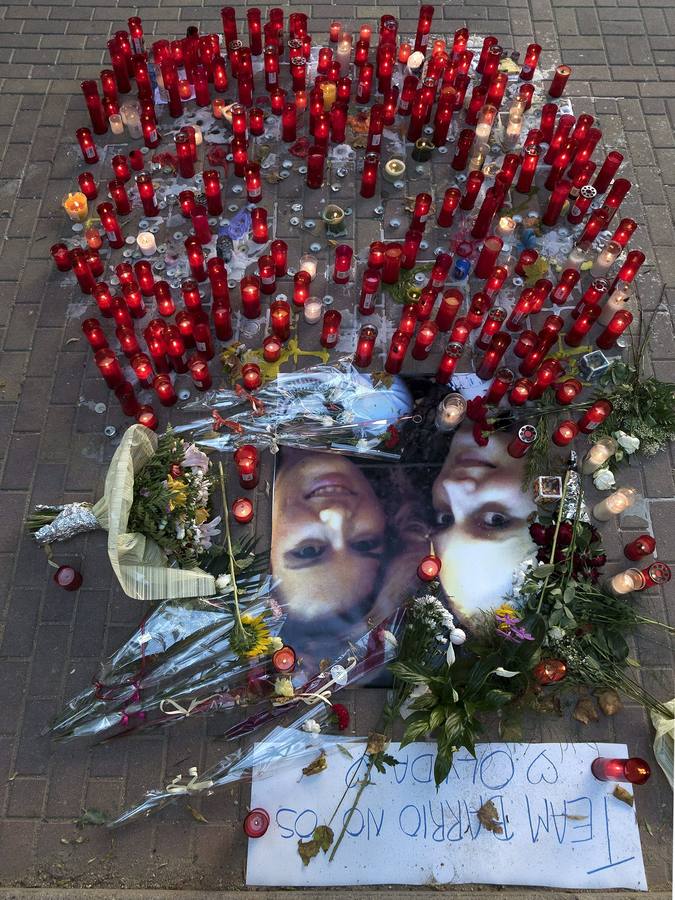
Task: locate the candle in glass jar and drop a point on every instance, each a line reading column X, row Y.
column 250, row 375
column 308, row 263
column 391, row 268
column 448, row 363
column 242, row 510
column 330, row 331
column 626, row 582
column 568, row 391
column 565, row 433
column 619, row 322
column 502, row 382
column 146, row 243
column 450, row 412
column 657, row 573
column 280, row 319
column 522, row 442
column 68, row 578
column 520, row 392
column 617, row 502
column 633, row 770
column 76, row 207
column 424, row 341
column 643, row 545
column 397, row 351
column 429, row 568
column 250, row 296
column 365, row 346
column 61, row 256
column 312, row 310
column 271, row 349
column 199, row 372
column 109, row 367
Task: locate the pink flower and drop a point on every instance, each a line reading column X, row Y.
column 194, row 458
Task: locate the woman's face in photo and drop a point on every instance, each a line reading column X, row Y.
column 481, row 519
column 328, row 531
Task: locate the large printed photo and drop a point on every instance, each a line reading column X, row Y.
column 348, row 533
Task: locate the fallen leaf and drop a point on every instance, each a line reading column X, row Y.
column 321, row 840
column 344, row 751
column 196, row 815
column 91, row 817
column 489, row 817
column 623, row 795
column 324, row 836
column 377, row 743
column 609, row 702
column 316, row 766
column 585, row 711
column 575, row 818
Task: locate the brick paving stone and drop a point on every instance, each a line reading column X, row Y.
column 52, row 447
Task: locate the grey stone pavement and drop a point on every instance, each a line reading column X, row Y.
column 52, row 447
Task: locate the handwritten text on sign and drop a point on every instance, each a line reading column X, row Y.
column 561, row 827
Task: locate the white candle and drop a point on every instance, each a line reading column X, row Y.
column 116, row 123
column 198, row 135
column 598, row 455
column 617, row 301
column 485, row 122
column 616, row 503
column 576, row 258
column 415, row 61
column 505, row 228
column 130, row 113
column 344, row 50
column 394, row 169
column 312, row 310
column 627, row 581
column 606, row 258
column 146, row 243
column 308, row 263
column 450, row 412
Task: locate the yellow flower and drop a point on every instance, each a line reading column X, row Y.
column 258, row 638
column 178, row 492
column 283, row 687
column 506, row 610
column 201, row 516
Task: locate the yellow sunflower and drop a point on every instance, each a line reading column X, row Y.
column 256, row 640
column 201, row 515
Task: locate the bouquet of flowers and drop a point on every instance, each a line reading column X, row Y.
column 155, row 510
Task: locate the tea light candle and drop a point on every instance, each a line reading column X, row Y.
column 312, row 310
column 308, row 263
column 394, row 170
column 146, row 416
column 242, row 510
column 256, row 823
column 429, row 568
column 616, row 503
column 250, row 375
column 146, row 243
column 627, row 581
column 271, row 348
column 284, row 659
column 76, row 206
column 450, row 412
column 506, row 227
column 333, row 215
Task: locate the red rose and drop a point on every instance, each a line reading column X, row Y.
column 341, row 716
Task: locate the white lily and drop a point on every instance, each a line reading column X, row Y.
column 504, row 673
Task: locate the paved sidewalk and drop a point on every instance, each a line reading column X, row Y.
column 52, row 445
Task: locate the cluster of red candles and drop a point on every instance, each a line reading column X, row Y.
column 202, row 66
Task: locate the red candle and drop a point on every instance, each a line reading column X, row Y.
column 486, row 214
column 146, row 416
column 520, row 311
column 301, row 283
column 411, row 245
column 614, row 198
column 594, row 416
column 250, row 296
column 164, row 389
column 200, row 224
column 624, row 232
column 127, row 399
column 280, row 319
column 289, row 123
column 279, row 250
column 657, row 573
column 449, row 360
column 201, row 330
column 199, row 372
column 391, row 268
column 566, row 284
column 343, row 263
column 195, row 256
column 424, row 341
column 520, row 392
column 119, row 66
column 408, row 320
column 376, row 254
column 493, row 356
column 134, row 300
column 246, row 461
column 530, row 62
column 451, row 200
column 365, row 346
column 68, row 578
column 145, row 278
column 94, row 334
column 460, row 331
column 582, row 326
column 568, row 391
column 88, row 186
column 174, row 345
column 633, row 770
column 490, row 59
column 214, row 203
column 629, row 269
column 109, row 367
column 120, row 313
column 493, row 323
column 429, row 568
column 186, row 166
column 527, row 341
column 596, row 223
column 502, row 382
column 591, row 296
column 557, row 86
column 449, row 307
column 110, row 224
column 464, row 142
column 364, row 85
column 146, row 191
column 165, row 304
column 397, row 351
column 488, row 256
column 442, row 121
column 369, row 288
column 267, row 274
column 61, row 256
column 142, row 367
column 82, row 271
column 242, row 511
column 555, row 204
column 565, row 433
column 607, row 171
column 128, row 341
column 616, row 327
column 315, row 163
column 371, row 164
column 191, row 296
column 643, row 545
column 330, row 331
column 521, row 443
column 185, row 326
column 87, row 145
column 95, row 109
column 489, row 41
column 222, row 321
column 256, row 823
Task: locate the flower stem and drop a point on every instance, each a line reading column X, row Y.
column 230, row 555
column 555, row 538
column 365, row 781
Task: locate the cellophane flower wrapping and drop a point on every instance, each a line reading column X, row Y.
column 330, row 407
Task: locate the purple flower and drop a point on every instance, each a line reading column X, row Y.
column 195, row 458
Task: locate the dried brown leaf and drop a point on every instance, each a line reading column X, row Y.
column 489, row 818
column 623, row 795
column 317, row 765
column 196, row 815
column 609, row 702
column 585, row 711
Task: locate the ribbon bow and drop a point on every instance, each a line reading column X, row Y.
column 257, row 405
column 177, row 786
column 171, row 707
column 220, row 422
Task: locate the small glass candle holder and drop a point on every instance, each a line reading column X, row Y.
column 632, row 770
column 617, row 502
column 312, row 310
column 284, row 659
column 242, row 510
column 450, row 412
column 429, row 568
column 256, row 823
column 626, row 582
column 643, row 545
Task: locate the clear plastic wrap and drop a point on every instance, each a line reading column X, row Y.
column 329, row 407
column 282, row 744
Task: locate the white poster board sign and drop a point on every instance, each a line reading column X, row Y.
column 561, row 827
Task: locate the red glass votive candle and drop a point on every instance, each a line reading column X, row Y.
column 520, row 311
column 558, row 197
column 127, row 399
column 68, row 578
column 271, row 348
column 165, row 303
column 61, row 256
column 624, row 232
column 451, row 200
column 491, row 203
column 267, row 274
column 568, row 391
column 175, row 348
column 279, row 250
column 164, row 389
column 199, row 372
column 530, row 62
column 493, row 356
column 594, row 416
column 464, row 143
column 376, row 253
column 397, row 351
column 520, row 392
column 643, row 545
column 424, row 341
column 142, row 367
column 200, row 224
column 619, row 322
column 449, row 360
column 284, row 659
column 521, row 443
column 146, row 416
column 94, row 334
column 253, row 182
column 259, row 229
column 365, row 346
column 557, row 86
column 212, row 189
column 146, row 191
column 584, row 323
column 301, row 284
column 608, row 170
column 221, row 316
column 493, row 323
column 487, row 258
column 657, row 573
column 429, row 568
column 315, row 164
column 111, row 226
column 256, row 823
column 195, row 256
column 186, row 165
column 134, row 300
column 82, row 271
column 242, row 511
column 109, row 367
column 527, row 341
column 565, row 433
column 144, row 276
column 250, row 296
column 371, row 164
column 369, row 288
column 280, row 319
column 449, row 307
column 120, row 312
column 391, row 268
column 528, row 168
column 632, row 770
column 343, row 263
column 246, row 460
column 186, row 201
column 250, row 375
column 330, row 331
column 87, row 145
column 201, row 330
column 566, row 284
column 503, row 379
column 88, row 186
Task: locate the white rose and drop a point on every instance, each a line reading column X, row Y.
column 604, row 479
column 627, row 441
column 311, row 726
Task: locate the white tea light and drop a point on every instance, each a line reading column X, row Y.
column 146, row 243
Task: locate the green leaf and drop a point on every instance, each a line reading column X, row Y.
column 92, row 817
column 410, row 673
column 542, row 572
column 321, row 840
column 417, row 727
column 442, row 767
column 437, row 718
